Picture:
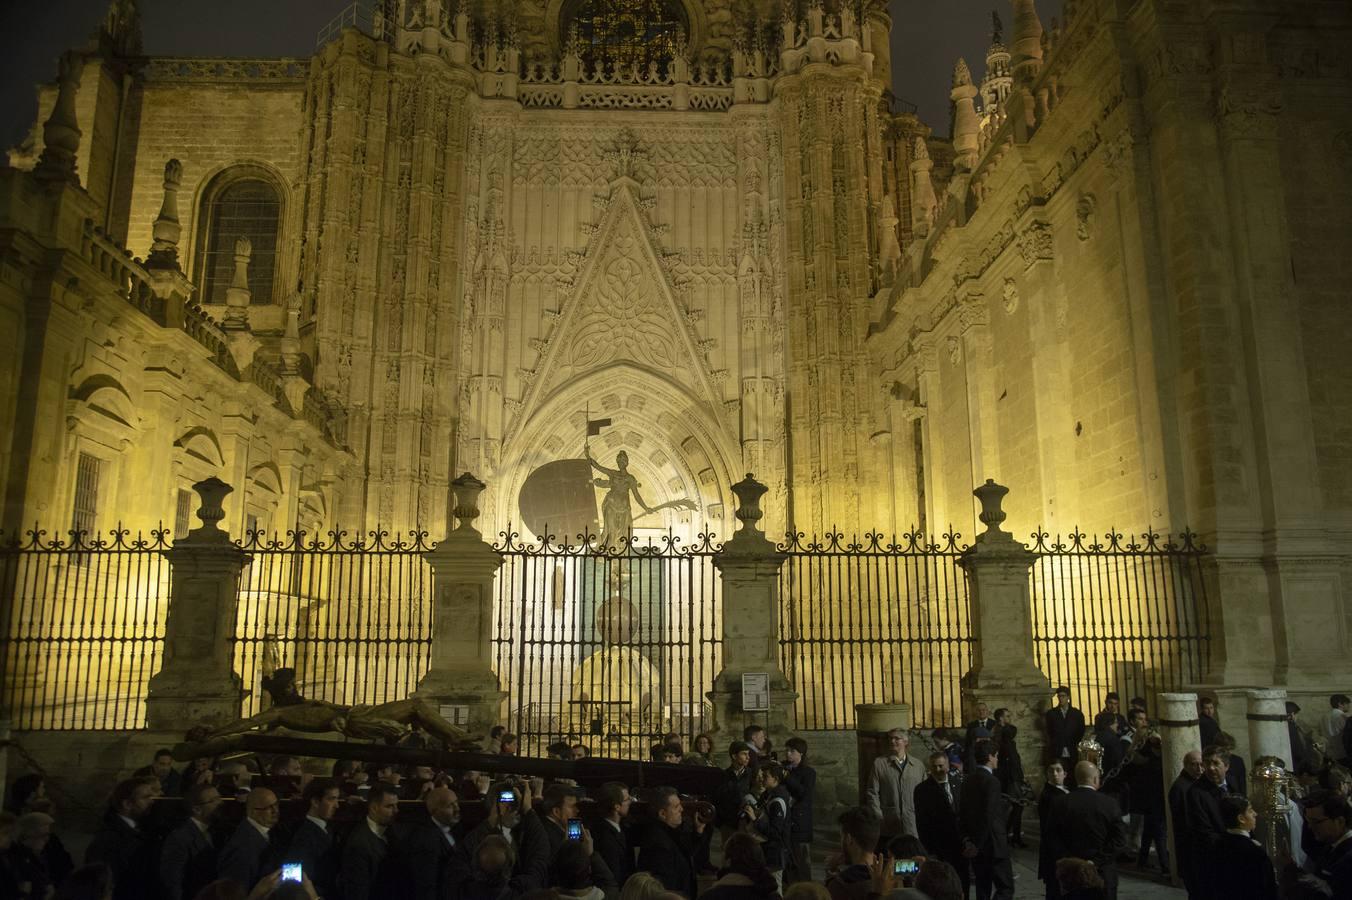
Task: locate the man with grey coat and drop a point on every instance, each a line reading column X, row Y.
column 248, row 856
column 891, row 786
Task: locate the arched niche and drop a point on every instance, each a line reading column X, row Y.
column 676, row 447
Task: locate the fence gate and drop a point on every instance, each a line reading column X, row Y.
column 610, row 647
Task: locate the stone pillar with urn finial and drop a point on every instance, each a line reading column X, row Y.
column 461, row 680
column 749, row 565
column 196, row 683
column 1003, row 672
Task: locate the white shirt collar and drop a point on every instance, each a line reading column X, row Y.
column 987, row 768
column 131, row 823
column 201, row 826
column 323, row 826
column 1346, row 834
column 616, row 825
column 259, row 828
column 377, row 830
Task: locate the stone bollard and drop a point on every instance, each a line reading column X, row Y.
column 1003, row 673
column 1268, row 732
column 748, row 566
column 460, row 679
column 1179, row 734
column 196, row 683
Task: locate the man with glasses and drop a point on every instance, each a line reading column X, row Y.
column 246, row 857
column 891, row 786
column 1330, row 819
column 188, row 858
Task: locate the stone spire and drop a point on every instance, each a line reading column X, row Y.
column 61, row 132
column 996, row 83
column 290, row 343
column 966, row 126
column 120, row 31
column 889, row 250
column 166, row 230
column 237, row 296
column 1027, row 48
column 923, row 200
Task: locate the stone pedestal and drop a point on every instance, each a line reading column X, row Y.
column 463, row 568
column 196, row 683
column 749, row 568
column 1178, row 735
column 1003, row 673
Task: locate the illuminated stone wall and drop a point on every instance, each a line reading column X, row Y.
column 1123, row 306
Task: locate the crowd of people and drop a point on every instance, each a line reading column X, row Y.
column 940, row 826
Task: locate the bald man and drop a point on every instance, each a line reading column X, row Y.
column 1184, row 858
column 1088, row 824
column 248, row 855
column 433, row 854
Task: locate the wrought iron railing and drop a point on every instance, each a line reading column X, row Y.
column 351, row 613
column 81, row 627
column 610, row 646
column 874, row 620
column 1119, row 613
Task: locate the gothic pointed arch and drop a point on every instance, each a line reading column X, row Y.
column 623, row 308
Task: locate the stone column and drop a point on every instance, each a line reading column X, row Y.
column 1178, row 735
column 197, row 683
column 749, row 567
column 1268, row 732
column 1003, row 673
column 464, row 566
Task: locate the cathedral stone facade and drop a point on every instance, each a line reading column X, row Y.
column 458, row 233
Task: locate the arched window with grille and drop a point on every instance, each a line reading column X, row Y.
column 626, row 32
column 240, row 202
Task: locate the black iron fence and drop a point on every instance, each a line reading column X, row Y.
column 81, row 627
column 613, row 647
column 1125, row 614
column 874, row 620
column 351, row 613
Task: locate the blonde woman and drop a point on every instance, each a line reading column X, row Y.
column 642, row 886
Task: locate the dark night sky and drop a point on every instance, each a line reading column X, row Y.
column 927, row 36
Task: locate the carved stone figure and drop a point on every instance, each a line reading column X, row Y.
column 378, row 722
column 617, row 516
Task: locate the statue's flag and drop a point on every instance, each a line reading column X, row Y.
column 594, row 426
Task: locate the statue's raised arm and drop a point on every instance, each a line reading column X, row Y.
column 597, row 466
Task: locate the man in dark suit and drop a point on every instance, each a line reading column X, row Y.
column 1184, row 858
column 737, row 783
column 1331, row 823
column 1239, row 867
column 122, row 842
column 1088, row 825
column 800, row 780
column 674, row 854
column 247, row 856
column 980, row 727
column 557, row 808
column 361, row 872
column 937, row 800
column 982, row 815
column 161, row 768
column 188, row 858
column 525, row 833
column 611, row 838
column 311, row 844
column 1065, row 729
column 432, row 859
column 1207, row 723
column 1202, row 817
